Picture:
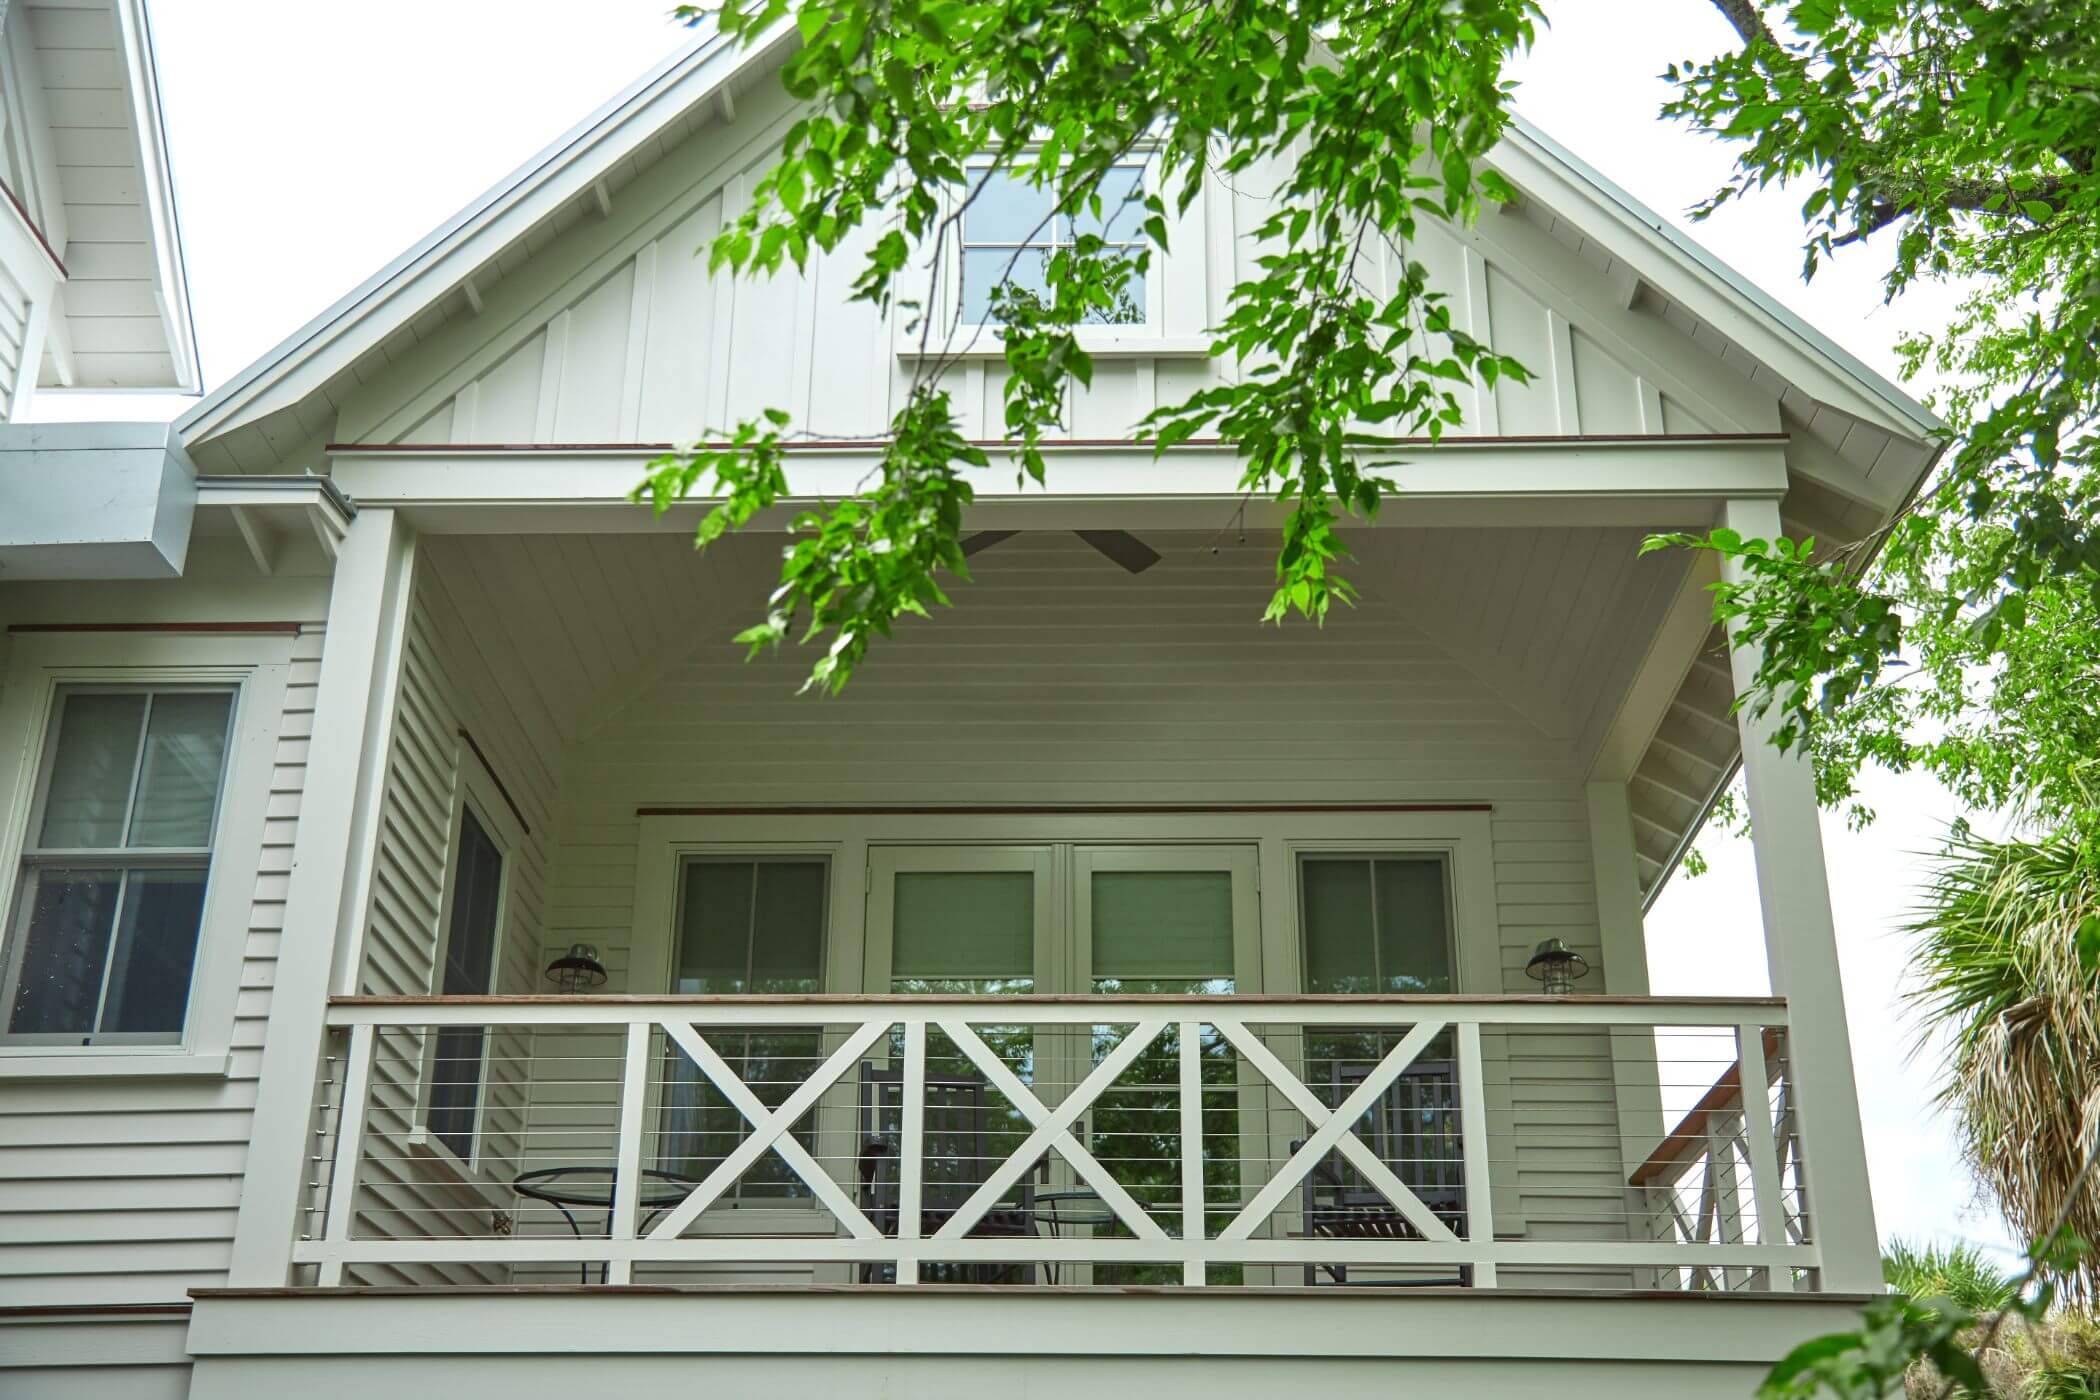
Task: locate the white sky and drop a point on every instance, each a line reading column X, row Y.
column 312, row 143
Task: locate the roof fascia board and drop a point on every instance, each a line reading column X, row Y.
column 157, row 182
column 1687, row 272
column 389, row 299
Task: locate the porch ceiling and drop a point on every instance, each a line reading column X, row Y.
column 1552, row 621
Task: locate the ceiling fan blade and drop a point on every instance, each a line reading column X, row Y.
column 985, row 539
column 1123, row 547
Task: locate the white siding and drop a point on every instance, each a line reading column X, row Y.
column 409, row 1186
column 124, row 1191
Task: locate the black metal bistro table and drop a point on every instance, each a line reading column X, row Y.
column 591, row 1188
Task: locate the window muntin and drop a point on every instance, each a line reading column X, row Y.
column 110, row 902
column 1376, row 924
column 469, row 970
column 746, row 926
column 1009, row 233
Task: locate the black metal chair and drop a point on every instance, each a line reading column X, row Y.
column 955, row 1162
column 1413, row 1127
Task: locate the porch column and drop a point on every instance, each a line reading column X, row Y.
column 1801, row 949
column 359, row 665
column 1623, row 939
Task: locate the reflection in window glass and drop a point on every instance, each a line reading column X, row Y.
column 1009, row 233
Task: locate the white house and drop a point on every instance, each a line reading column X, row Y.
column 435, row 962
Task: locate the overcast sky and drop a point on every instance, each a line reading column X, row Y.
column 313, row 143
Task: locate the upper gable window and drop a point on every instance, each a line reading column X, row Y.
column 1009, row 233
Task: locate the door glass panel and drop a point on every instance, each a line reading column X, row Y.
column 1162, row 931
column 963, row 932
column 746, row 927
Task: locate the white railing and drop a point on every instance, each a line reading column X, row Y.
column 1191, row 1140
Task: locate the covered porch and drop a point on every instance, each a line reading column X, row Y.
column 1099, row 937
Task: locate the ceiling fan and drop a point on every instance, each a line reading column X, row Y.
column 1120, row 546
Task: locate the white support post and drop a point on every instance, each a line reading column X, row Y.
column 1473, row 1126
column 1194, row 1273
column 627, row 1167
column 911, row 1152
column 1801, row 949
column 368, row 573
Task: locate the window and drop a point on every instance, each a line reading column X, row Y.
column 110, row 902
column 746, row 925
column 1375, row 924
column 1009, row 233
column 469, row 970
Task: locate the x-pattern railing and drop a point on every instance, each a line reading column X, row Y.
column 1264, row 1034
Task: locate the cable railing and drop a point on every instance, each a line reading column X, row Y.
column 1322, row 1142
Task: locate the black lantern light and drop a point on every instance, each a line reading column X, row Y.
column 577, row 970
column 1557, row 966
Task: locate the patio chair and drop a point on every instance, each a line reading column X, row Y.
column 1413, row 1127
column 956, row 1161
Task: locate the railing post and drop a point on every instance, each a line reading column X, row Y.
column 1194, row 1272
column 627, row 1190
column 1473, row 1125
column 1766, row 1193
column 1801, row 947
column 911, row 1152
column 349, row 1146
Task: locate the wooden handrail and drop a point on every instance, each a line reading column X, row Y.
column 1689, row 1136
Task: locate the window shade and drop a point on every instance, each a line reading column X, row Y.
column 1376, row 924
column 751, row 926
column 959, row 924
column 1158, row 924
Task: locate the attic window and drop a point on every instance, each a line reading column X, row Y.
column 1009, row 233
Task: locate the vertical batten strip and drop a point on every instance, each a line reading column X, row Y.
column 1651, row 405
column 552, row 355
column 1758, row 1141
column 1479, row 325
column 911, row 1152
column 642, row 297
column 1567, row 404
column 349, row 1147
column 1193, row 1228
column 627, row 1169
column 1473, row 1127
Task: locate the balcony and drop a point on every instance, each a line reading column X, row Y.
column 1384, row 1145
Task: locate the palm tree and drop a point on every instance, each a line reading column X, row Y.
column 1999, row 976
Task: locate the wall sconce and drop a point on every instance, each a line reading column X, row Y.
column 1557, row 966
column 577, row 970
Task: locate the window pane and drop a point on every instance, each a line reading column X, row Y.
column 975, row 924
column 66, row 945
column 984, row 268
column 1163, row 925
column 156, row 944
column 1122, row 207
column 1007, row 210
column 715, row 928
column 1338, row 927
column 476, row 884
column 1376, row 925
column 1414, row 930
column 787, row 930
column 455, row 1087
column 91, row 768
column 179, row 777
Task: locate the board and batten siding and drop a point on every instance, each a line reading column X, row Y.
column 410, row 1185
column 123, row 1191
column 614, row 331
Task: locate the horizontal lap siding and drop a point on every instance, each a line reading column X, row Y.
column 125, row 1191
column 407, row 1188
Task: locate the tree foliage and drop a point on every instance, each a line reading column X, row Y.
column 1374, row 116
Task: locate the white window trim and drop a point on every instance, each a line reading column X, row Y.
column 472, row 787
column 257, row 668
